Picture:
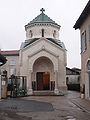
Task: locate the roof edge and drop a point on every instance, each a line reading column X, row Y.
column 43, row 23
column 10, row 52
column 83, row 16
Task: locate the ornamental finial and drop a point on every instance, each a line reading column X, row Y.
column 42, row 10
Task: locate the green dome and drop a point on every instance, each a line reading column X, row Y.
column 42, row 18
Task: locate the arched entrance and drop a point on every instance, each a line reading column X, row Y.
column 43, row 71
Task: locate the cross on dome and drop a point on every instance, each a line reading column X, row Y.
column 42, row 10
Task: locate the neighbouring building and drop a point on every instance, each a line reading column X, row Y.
column 83, row 23
column 73, row 78
column 41, row 58
column 12, row 64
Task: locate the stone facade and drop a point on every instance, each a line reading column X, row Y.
column 35, row 31
column 43, row 52
column 44, row 56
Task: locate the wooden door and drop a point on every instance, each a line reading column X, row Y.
column 46, row 81
column 39, row 77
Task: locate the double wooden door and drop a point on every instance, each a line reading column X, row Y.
column 43, row 80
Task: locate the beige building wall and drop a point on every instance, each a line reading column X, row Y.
column 11, row 66
column 85, row 56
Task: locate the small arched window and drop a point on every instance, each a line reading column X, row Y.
column 42, row 32
column 54, row 34
column 88, row 65
column 67, row 80
column 30, row 33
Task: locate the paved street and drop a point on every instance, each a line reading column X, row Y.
column 69, row 107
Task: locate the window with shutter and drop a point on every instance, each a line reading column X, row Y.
column 83, row 42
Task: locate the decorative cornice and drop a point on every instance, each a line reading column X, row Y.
column 46, row 40
column 44, row 49
column 40, row 24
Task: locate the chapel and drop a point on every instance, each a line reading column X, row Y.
column 42, row 56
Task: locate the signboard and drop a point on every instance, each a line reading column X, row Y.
column 3, row 82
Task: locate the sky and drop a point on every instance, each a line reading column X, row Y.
column 15, row 14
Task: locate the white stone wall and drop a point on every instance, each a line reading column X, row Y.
column 37, row 31
column 37, row 46
column 43, row 47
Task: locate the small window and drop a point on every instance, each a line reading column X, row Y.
column 13, row 62
column 78, row 79
column 83, row 42
column 67, row 80
column 54, row 34
column 42, row 32
column 88, row 65
column 12, row 71
column 30, row 33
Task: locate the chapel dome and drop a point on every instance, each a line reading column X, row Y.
column 42, row 18
column 42, row 26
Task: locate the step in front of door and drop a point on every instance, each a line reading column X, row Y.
column 43, row 93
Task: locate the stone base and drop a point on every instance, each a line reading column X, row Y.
column 30, row 92
column 56, row 91
column 82, row 95
column 62, row 90
column 43, row 93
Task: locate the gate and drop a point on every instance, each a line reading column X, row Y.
column 17, row 86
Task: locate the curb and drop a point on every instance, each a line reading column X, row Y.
column 80, row 106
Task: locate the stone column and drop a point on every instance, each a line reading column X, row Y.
column 56, row 82
column 30, row 91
